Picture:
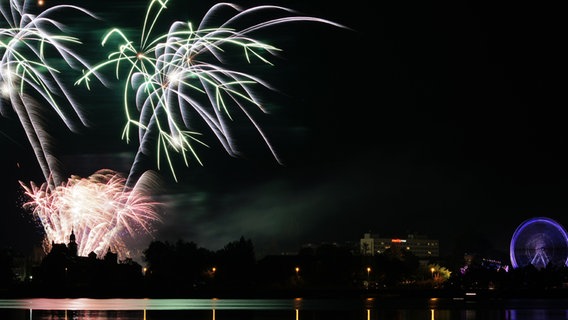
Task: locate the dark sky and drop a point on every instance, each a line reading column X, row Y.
column 438, row 118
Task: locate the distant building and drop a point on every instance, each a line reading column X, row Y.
column 420, row 246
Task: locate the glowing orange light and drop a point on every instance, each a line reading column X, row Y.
column 40, row 2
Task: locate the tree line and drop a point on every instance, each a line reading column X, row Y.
column 184, row 269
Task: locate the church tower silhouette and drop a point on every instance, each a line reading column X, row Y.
column 72, row 246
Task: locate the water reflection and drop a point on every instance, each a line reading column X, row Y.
column 278, row 309
column 148, row 304
column 87, row 315
column 168, row 309
column 368, row 304
column 297, row 305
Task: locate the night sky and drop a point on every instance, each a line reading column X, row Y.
column 441, row 119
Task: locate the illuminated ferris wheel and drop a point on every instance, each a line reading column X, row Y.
column 539, row 241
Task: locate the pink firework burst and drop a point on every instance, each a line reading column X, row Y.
column 101, row 211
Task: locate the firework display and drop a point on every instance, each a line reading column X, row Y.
column 175, row 85
column 35, row 51
column 99, row 210
column 179, row 77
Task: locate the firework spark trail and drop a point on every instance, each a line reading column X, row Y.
column 30, row 48
column 174, row 77
column 100, row 210
column 182, row 73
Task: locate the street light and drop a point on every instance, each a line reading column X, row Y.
column 368, row 273
column 432, row 270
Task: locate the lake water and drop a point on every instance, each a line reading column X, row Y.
column 281, row 309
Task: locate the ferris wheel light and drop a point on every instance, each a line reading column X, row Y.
column 539, row 242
